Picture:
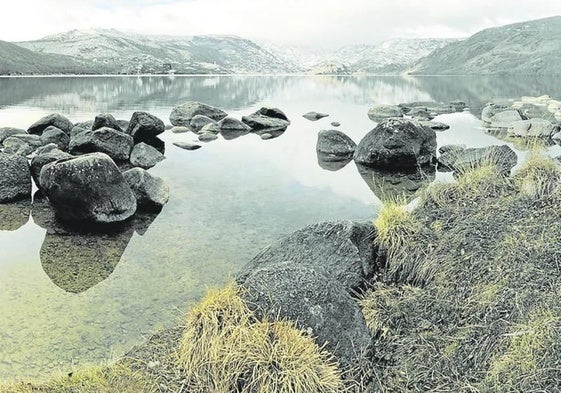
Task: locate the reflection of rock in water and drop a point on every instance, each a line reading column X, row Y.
column 14, row 215
column 396, row 185
column 326, row 162
column 270, row 133
column 76, row 259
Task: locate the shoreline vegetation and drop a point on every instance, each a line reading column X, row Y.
column 466, row 300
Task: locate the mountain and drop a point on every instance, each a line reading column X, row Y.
column 15, row 60
column 131, row 53
column 526, row 48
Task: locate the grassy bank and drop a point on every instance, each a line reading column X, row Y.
column 469, row 301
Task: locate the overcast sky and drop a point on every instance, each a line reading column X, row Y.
column 328, row 23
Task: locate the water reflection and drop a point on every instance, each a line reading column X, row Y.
column 76, row 258
column 396, row 186
column 327, row 162
column 14, row 215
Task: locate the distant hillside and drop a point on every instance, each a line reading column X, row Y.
column 527, row 48
column 131, row 53
column 15, row 60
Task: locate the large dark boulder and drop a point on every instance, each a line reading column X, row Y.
column 106, row 120
column 115, row 144
column 182, row 114
column 15, row 178
column 315, row 301
column 335, row 145
column 6, row 132
column 151, row 192
column 55, row 135
column 40, row 160
column 56, row 120
column 145, row 156
column 144, row 126
column 88, row 188
column 459, row 159
column 272, row 112
column 345, row 249
column 397, row 143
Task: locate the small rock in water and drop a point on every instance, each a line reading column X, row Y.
column 335, row 124
column 207, row 137
column 187, row 145
column 381, row 112
column 182, row 114
column 314, row 116
column 199, row 121
column 435, row 125
column 179, row 130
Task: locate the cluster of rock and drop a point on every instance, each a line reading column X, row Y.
column 208, row 122
column 77, row 166
column 530, row 117
column 313, row 277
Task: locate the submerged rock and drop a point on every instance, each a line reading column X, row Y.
column 314, row 116
column 151, row 192
column 143, row 127
column 272, row 112
column 345, row 249
column 14, row 215
column 145, row 156
column 115, row 144
column 15, row 178
column 187, row 145
column 325, row 161
column 182, row 114
column 88, row 188
column 208, row 137
column 397, row 143
column 315, row 301
column 381, row 112
column 335, row 145
column 56, row 120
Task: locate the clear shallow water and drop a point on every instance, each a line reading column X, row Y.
column 67, row 299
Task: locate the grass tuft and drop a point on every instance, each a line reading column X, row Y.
column 225, row 349
column 539, row 175
column 394, row 224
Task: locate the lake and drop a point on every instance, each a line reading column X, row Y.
column 69, row 299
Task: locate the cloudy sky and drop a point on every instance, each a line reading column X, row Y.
column 327, row 23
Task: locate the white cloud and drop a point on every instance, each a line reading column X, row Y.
column 304, row 22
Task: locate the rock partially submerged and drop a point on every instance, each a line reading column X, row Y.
column 145, row 156
column 397, row 143
column 88, row 188
column 151, row 192
column 182, row 115
column 334, row 145
column 144, row 127
column 314, row 116
column 381, row 112
column 199, row 121
column 15, row 178
column 258, row 122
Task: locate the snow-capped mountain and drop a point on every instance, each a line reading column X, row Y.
column 388, row 57
column 133, row 53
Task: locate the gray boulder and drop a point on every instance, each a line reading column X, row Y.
column 44, row 158
column 272, row 112
column 22, row 144
column 55, row 135
column 259, row 122
column 15, row 178
column 182, row 115
column 432, row 107
column 419, row 114
column 199, row 121
column 335, row 145
column 435, row 125
column 231, row 128
column 458, row 159
column 314, row 116
column 6, row 132
column 504, row 119
column 533, row 128
column 187, row 145
column 344, row 249
column 210, row 128
column 115, row 144
column 145, row 156
column 78, row 130
column 381, row 112
column 315, row 301
column 88, row 188
column 144, row 127
column 87, row 125
column 151, row 192
column 397, row 143
column 106, row 120
column 56, row 120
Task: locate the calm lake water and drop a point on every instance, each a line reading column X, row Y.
column 68, row 299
